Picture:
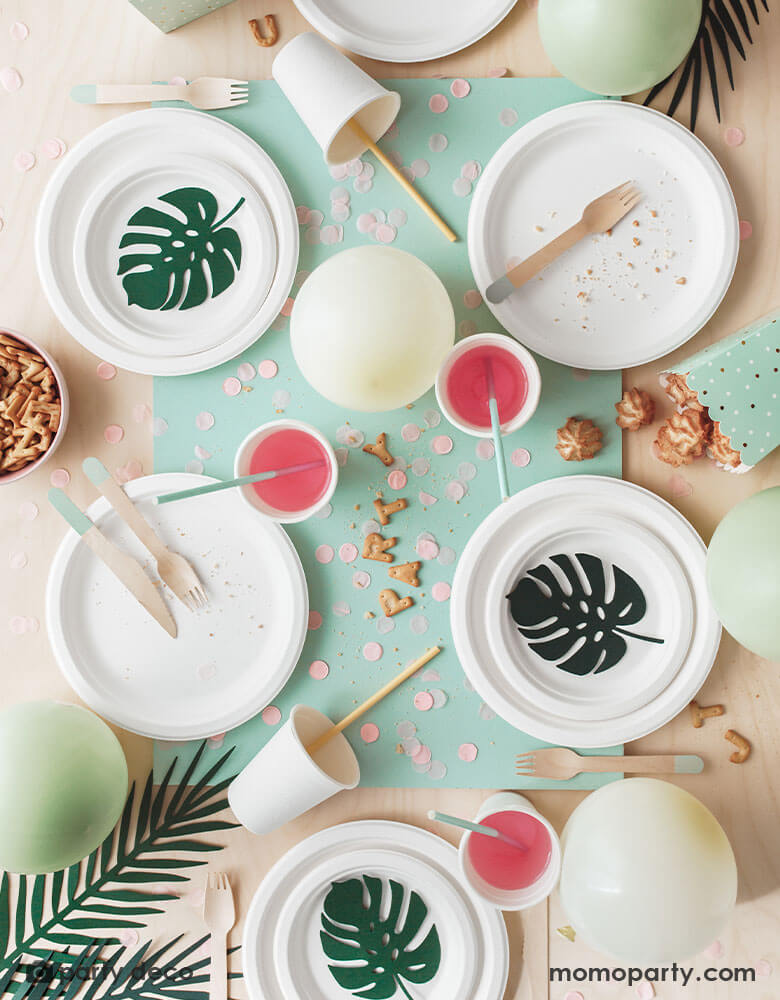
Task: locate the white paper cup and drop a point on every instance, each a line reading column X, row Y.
column 282, row 780
column 512, row 899
column 525, row 358
column 244, row 456
column 327, row 90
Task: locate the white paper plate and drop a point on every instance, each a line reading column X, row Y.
column 228, row 661
column 623, row 526
column 126, row 165
column 624, row 313
column 283, row 954
column 407, row 30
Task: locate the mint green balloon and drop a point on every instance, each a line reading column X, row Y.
column 616, row 47
column 743, row 572
column 63, row 783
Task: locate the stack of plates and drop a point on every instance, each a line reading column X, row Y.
column 580, row 612
column 207, row 261
column 283, row 950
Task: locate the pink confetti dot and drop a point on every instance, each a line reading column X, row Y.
column 467, row 752
column 645, row 991
column 485, row 450
column 231, row 386
column 60, row 478
column 423, row 755
column 734, row 136
column 423, row 701
column 33, row 625
column 215, row 742
column 455, row 491
column 348, row 552
column 438, row 104
column 680, row 486
column 369, row 732
column 315, row 620
column 426, row 499
column 420, row 168
column 715, row 950
column 580, row 374
column 10, row 79
column 128, row 936
column 410, row 432
column 460, row 88
column 113, row 433
column 763, row 968
column 471, row 170
column 427, row 549
column 397, row 479
column 206, row 671
column 372, row 651
column 17, row 560
column 319, row 670
column 132, row 470
column 204, row 420
column 442, row 444
column 324, row 554
column 441, row 591
column 177, row 81
column 106, row 371
column 497, row 71
column 520, row 457
column 574, row 995
column 302, row 214
column 141, row 412
column 385, row 233
column 53, row 148
column 472, row 299
column 24, row 160
column 18, row 625
column 271, row 715
column 268, row 369
column 745, row 229
column 19, row 31
column 366, row 223
column 28, row 510
column 246, row 371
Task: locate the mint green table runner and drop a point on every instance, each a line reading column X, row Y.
column 474, row 128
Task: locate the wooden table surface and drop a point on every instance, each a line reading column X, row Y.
column 107, row 40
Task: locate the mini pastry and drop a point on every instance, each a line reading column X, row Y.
column 578, row 440
column 635, row 409
column 683, row 437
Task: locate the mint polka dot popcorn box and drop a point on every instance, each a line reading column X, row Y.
column 434, row 730
column 168, row 15
column 736, row 381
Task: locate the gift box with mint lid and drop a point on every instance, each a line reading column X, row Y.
column 171, row 14
column 736, row 381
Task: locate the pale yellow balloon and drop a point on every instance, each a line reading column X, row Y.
column 371, row 327
column 648, row 875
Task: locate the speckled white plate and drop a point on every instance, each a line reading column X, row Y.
column 406, row 30
column 283, row 954
column 99, row 186
column 606, row 303
column 228, row 660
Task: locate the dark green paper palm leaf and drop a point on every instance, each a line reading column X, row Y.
column 353, row 931
column 175, row 275
column 576, row 628
column 724, row 28
column 60, row 917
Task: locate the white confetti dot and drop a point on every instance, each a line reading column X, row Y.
column 280, row 399
column 246, row 371
column 508, row 117
column 437, row 770
column 447, row 556
column 361, row 580
column 194, row 467
column 420, row 168
column 369, row 527
column 419, row 624
column 438, row 142
column 397, row 217
column 461, row 187
column 366, row 223
column 362, row 185
column 486, row 713
column 467, row 471
column 485, row 450
column 204, row 421
column 432, row 418
column 439, row 698
column 324, row 512
column 159, row 426
column 421, row 467
column 405, row 729
column 350, row 436
column 384, row 625
column 341, row 609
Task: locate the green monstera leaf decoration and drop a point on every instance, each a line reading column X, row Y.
column 576, row 626
column 196, row 258
column 354, row 931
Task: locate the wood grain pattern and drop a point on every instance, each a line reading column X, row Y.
column 85, row 41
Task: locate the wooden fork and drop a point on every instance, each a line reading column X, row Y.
column 219, row 915
column 560, row 764
column 208, row 93
column 599, row 216
column 173, row 569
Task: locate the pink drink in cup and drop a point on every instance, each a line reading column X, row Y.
column 482, row 365
column 299, row 490
column 504, row 866
column 305, row 461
